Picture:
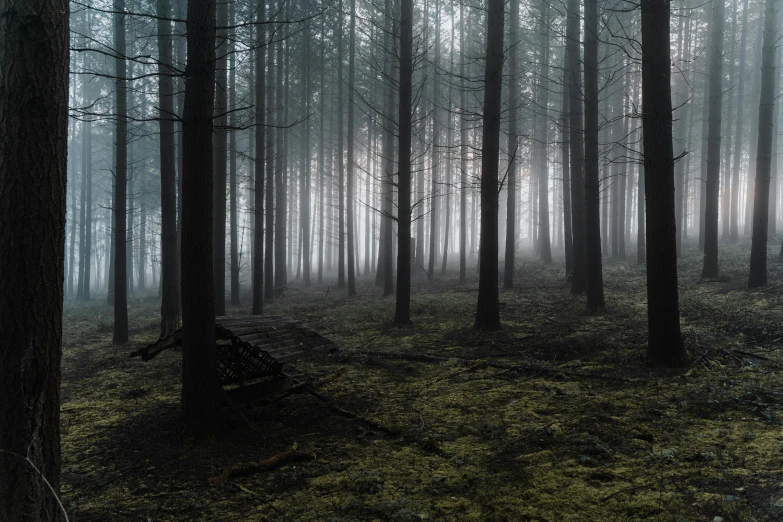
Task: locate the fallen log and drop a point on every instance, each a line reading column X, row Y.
column 249, row 468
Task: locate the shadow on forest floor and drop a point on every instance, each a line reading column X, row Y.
column 556, row 417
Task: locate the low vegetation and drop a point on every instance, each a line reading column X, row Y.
column 557, row 417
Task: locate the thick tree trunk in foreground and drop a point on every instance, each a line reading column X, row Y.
column 710, row 268
column 487, row 308
column 169, row 307
column 595, row 283
column 199, row 379
column 663, row 313
column 402, row 310
column 33, row 165
column 758, row 250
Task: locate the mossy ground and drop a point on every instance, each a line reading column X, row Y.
column 594, row 434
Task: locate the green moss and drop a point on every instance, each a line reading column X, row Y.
column 480, row 443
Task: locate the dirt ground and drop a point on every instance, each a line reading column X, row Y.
column 557, row 417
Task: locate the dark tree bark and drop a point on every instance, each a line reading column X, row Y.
column 281, row 175
column 725, row 171
column 33, row 179
column 435, row 157
column 232, row 166
column 710, row 268
column 385, row 273
column 402, row 310
column 322, row 165
column 735, row 176
column 545, row 249
column 663, row 313
column 464, row 145
column 169, row 307
column 565, row 146
column 641, row 240
column 221, row 153
column 120, row 177
column 260, row 146
column 351, row 139
column 449, row 181
column 595, row 283
column 269, row 216
column 488, row 309
column 199, row 379
column 579, row 268
column 340, row 154
column 513, row 144
column 754, row 134
column 758, row 250
column 304, row 206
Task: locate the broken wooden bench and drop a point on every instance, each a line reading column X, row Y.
column 251, row 352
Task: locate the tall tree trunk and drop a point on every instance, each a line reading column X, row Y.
column 513, row 143
column 384, row 276
column 448, row 183
column 579, row 269
column 199, row 379
column 726, row 164
column 321, row 151
column 541, row 141
column 488, row 309
column 754, row 134
column 33, row 178
column 710, row 268
column 221, row 158
column 464, row 145
column 269, row 216
column 232, row 167
column 402, row 309
column 663, row 314
column 565, row 147
column 435, row 158
column 340, row 154
column 260, row 146
column 351, row 143
column 281, row 171
column 169, row 307
column 738, row 132
column 595, row 283
column 304, row 210
column 758, row 249
column 121, row 99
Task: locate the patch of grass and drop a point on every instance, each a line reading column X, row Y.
column 556, row 417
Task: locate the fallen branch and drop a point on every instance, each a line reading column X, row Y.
column 270, row 464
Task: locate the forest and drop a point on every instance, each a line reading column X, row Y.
column 391, row 260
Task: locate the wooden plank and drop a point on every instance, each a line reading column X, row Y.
column 258, row 390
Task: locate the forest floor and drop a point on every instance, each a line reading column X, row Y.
column 557, row 417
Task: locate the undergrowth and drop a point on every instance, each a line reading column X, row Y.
column 556, row 417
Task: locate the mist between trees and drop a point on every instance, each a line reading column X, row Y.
column 225, row 153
